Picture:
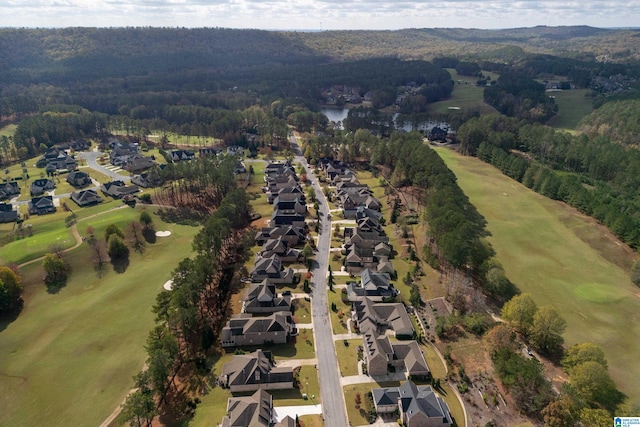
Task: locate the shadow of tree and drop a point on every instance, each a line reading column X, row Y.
column 120, row 265
column 180, row 216
column 149, row 235
column 54, row 287
column 8, row 317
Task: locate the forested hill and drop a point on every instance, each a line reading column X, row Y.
column 36, row 55
column 580, row 42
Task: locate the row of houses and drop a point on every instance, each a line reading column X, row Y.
column 375, row 316
column 266, row 316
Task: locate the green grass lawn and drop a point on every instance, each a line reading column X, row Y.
column 563, row 259
column 337, row 326
column 465, row 95
column 573, row 105
column 45, row 231
column 303, row 310
column 72, row 355
column 308, row 384
column 348, row 356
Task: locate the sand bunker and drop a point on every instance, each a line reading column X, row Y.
column 168, row 285
column 163, row 233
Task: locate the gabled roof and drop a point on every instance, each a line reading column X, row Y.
column 255, row 368
column 86, row 197
column 254, row 410
column 414, row 400
column 390, row 315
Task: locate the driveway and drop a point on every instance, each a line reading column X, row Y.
column 92, row 161
column 279, row 412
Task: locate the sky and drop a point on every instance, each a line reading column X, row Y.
column 319, row 14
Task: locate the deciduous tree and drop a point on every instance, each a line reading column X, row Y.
column 10, row 289
column 519, row 312
column 547, row 329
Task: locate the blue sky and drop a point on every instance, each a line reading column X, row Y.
column 318, row 14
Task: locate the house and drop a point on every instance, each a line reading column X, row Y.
column 261, row 298
column 9, row 189
column 290, row 203
column 293, row 235
column 56, row 159
column 7, row 213
column 245, row 330
column 146, row 180
column 79, row 179
column 351, row 202
column 86, row 198
column 369, row 316
column 138, row 163
column 235, row 150
column 365, row 255
column 437, row 134
column 39, row 186
column 41, row 205
column 375, row 286
column 383, row 356
column 279, row 218
column 270, row 267
column 121, row 152
column 276, row 184
column 118, row 189
column 274, row 169
column 418, row 406
column 255, row 371
column 208, row 151
column 181, row 155
column 255, row 411
column 280, row 246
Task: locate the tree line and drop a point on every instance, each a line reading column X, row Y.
column 189, row 318
column 592, row 174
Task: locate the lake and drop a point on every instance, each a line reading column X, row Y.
column 339, row 114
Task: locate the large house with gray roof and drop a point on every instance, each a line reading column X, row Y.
column 370, row 316
column 244, row 330
column 418, row 406
column 382, row 355
column 254, row 371
column 262, row 298
column 255, row 411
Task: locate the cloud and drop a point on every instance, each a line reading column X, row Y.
column 307, row 14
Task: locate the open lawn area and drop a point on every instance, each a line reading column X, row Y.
column 8, row 130
column 348, row 356
column 573, row 105
column 339, row 325
column 72, row 354
column 40, row 233
column 563, row 259
column 465, row 95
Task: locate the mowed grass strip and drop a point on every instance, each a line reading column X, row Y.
column 563, row 259
column 69, row 358
column 573, row 105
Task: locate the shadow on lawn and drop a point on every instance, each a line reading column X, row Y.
column 7, row 318
column 120, row 265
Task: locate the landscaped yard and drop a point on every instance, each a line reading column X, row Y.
column 563, row 259
column 75, row 352
column 309, row 385
column 339, row 326
column 348, row 356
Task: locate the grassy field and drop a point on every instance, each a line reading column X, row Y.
column 563, row 259
column 573, row 105
column 8, row 130
column 72, row 354
column 40, row 233
column 465, row 95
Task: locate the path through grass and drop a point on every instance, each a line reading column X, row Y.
column 563, row 259
column 68, row 359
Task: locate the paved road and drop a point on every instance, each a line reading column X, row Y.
column 92, row 161
column 333, row 406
